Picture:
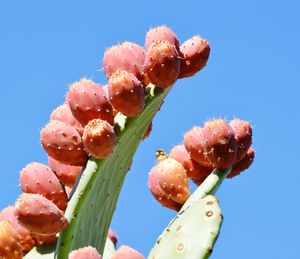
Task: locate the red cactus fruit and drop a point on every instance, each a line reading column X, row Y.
column 40, row 179
column 39, row 215
column 126, row 252
column 25, row 237
column 113, row 236
column 85, row 253
column 63, row 113
column 62, row 142
column 148, row 131
column 41, row 239
column 220, row 144
column 99, row 138
column 126, row 93
column 194, row 170
column 243, row 135
column 88, row 101
column 194, row 143
column 67, row 174
column 105, row 89
column 10, row 247
column 195, row 53
column 161, row 33
column 162, row 64
column 243, row 164
column 125, row 56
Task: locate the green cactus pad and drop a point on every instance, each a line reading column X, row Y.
column 192, row 234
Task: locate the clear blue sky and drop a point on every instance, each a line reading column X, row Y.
column 253, row 73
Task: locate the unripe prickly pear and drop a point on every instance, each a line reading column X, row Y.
column 99, row 138
column 126, row 252
column 125, row 56
column 39, row 215
column 161, row 33
column 162, row 64
column 85, row 253
column 195, row 53
column 126, row 93
column 194, row 170
column 243, row 135
column 10, row 247
column 62, row 142
column 40, row 179
column 220, row 144
column 67, row 174
column 63, row 113
column 88, row 101
column 243, row 164
column 113, row 236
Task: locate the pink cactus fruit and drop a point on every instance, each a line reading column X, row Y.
column 126, row 252
column 63, row 143
column 243, row 164
column 99, row 138
column 125, row 56
column 195, row 53
column 112, row 235
column 161, row 33
column 105, row 89
column 243, row 135
column 194, row 170
column 40, row 179
column 10, row 247
column 63, row 113
column 85, row 253
column 220, row 143
column 88, row 101
column 126, row 93
column 39, row 215
column 194, row 143
column 162, row 64
column 148, row 131
column 67, row 174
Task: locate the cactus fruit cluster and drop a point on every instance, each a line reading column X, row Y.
column 66, row 206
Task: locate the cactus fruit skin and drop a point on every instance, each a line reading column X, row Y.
column 243, row 164
column 243, row 135
column 162, row 64
column 125, row 56
column 113, row 236
column 67, row 174
column 126, row 252
column 62, row 142
column 39, row 215
column 10, row 247
column 161, row 33
column 40, row 179
column 88, row 101
column 220, row 143
column 195, row 53
column 99, row 138
column 126, row 93
column 194, row 170
column 85, row 253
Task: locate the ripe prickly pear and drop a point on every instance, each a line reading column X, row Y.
column 162, row 64
column 99, row 138
column 40, row 179
column 10, row 247
column 88, row 101
column 85, row 253
column 39, row 215
column 243, row 135
column 243, row 164
column 195, row 53
column 220, row 144
column 125, row 56
column 126, row 93
column 67, row 174
column 126, row 252
column 161, row 33
column 62, row 142
column 113, row 236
